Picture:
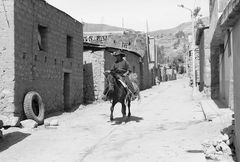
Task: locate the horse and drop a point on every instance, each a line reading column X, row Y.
column 117, row 92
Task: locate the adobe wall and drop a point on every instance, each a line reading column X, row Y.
column 43, row 71
column 25, row 68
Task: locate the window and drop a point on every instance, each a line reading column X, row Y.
column 42, row 38
column 69, row 47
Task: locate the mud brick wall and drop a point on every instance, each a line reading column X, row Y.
column 6, row 58
column 43, row 71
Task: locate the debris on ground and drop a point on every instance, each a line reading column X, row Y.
column 221, row 146
column 46, row 123
column 54, row 122
column 29, row 123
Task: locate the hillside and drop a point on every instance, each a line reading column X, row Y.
column 185, row 27
column 174, row 42
column 87, row 27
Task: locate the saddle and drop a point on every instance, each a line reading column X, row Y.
column 134, row 89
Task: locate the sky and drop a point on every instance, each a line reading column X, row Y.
column 132, row 14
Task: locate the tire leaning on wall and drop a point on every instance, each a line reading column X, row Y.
column 34, row 107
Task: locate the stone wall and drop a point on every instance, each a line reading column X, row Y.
column 93, row 75
column 42, row 70
column 7, row 59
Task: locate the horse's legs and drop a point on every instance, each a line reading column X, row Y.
column 129, row 105
column 111, row 109
column 123, row 109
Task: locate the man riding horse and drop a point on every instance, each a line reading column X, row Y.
column 121, row 67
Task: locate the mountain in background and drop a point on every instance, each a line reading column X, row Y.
column 185, row 27
column 174, row 42
column 87, row 27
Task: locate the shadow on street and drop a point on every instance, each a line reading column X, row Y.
column 11, row 139
column 120, row 120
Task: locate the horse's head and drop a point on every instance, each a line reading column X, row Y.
column 110, row 81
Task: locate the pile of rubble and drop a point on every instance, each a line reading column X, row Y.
column 31, row 124
column 220, row 146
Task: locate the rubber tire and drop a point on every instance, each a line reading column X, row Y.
column 28, row 107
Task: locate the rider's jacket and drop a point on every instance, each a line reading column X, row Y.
column 121, row 66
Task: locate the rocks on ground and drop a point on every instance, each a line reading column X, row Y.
column 29, row 123
column 220, row 146
column 51, row 124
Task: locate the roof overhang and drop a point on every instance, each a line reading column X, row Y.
column 231, row 14
column 96, row 47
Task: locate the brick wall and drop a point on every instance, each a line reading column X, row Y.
column 43, row 71
column 46, row 69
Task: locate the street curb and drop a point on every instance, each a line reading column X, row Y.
column 211, row 110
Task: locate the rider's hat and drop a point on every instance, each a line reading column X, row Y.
column 119, row 53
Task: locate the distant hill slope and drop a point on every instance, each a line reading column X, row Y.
column 172, row 45
column 185, row 27
column 87, row 27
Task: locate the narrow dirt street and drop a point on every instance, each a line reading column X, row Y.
column 166, row 126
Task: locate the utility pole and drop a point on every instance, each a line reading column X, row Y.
column 193, row 53
column 193, row 48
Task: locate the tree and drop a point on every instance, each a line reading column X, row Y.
column 180, row 35
column 196, row 11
